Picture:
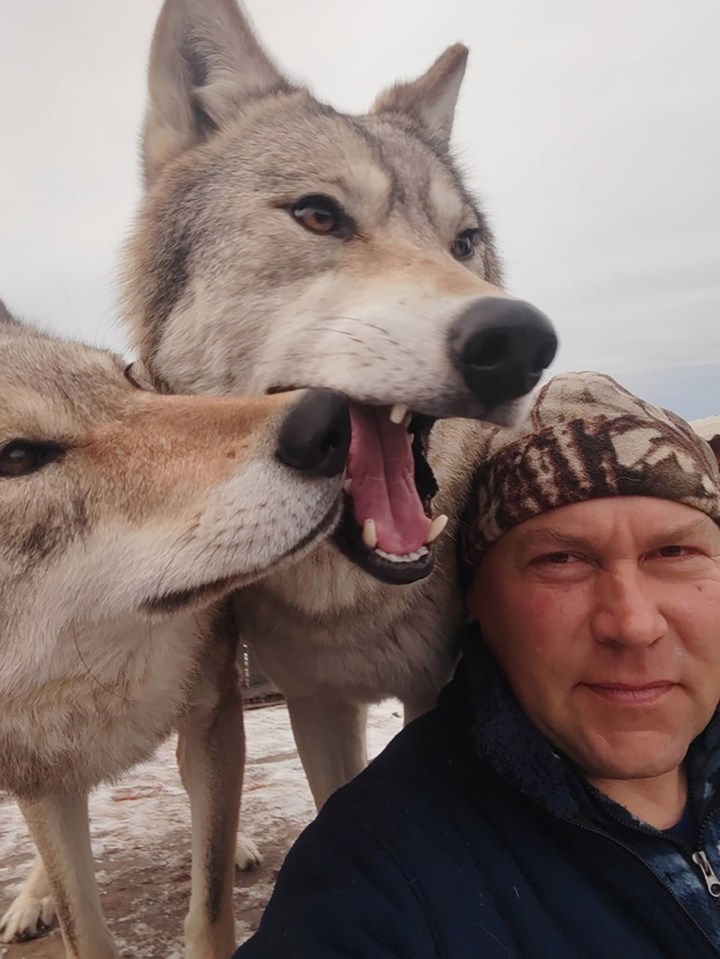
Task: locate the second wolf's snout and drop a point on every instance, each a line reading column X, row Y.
column 315, row 435
column 501, row 347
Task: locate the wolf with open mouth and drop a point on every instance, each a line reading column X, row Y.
column 282, row 244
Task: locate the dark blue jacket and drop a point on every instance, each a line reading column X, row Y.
column 469, row 837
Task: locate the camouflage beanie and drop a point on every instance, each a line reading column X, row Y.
column 585, row 438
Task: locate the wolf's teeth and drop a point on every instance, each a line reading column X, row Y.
column 405, row 558
column 436, row 527
column 347, row 485
column 369, row 533
column 398, row 412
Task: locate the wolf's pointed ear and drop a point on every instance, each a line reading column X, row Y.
column 431, row 98
column 205, row 64
column 138, row 373
column 6, row 316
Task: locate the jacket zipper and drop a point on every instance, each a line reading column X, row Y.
column 700, row 858
column 631, row 852
column 706, row 871
column 697, row 857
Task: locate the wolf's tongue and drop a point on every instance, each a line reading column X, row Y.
column 381, row 470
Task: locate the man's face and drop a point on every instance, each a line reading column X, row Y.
column 605, row 617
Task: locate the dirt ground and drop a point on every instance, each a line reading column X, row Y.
column 141, row 840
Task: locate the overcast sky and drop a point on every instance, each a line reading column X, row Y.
column 591, row 130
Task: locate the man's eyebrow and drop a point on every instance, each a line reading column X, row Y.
column 672, row 534
column 554, row 536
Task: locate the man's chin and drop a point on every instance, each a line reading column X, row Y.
column 640, row 757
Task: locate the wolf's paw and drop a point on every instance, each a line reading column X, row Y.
column 247, row 854
column 27, row 918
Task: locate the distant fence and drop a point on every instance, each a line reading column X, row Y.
column 257, row 688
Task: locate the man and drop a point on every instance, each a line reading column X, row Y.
column 563, row 799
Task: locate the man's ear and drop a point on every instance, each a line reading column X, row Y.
column 432, row 97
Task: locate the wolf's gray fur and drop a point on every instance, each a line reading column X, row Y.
column 226, row 293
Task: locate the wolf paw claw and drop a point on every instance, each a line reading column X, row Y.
column 27, row 918
column 247, row 854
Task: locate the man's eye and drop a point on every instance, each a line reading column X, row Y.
column 557, row 559
column 672, row 552
column 558, row 563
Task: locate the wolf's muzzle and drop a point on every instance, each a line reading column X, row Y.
column 502, row 347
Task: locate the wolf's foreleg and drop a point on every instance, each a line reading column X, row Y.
column 211, row 758
column 330, row 736
column 59, row 825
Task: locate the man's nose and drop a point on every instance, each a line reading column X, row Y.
column 627, row 610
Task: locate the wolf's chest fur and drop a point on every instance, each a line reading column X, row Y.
column 100, row 701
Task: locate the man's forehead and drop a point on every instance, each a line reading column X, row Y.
column 645, row 519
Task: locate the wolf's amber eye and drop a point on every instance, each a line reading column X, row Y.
column 320, row 214
column 20, row 457
column 463, row 246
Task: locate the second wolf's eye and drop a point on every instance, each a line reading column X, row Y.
column 20, row 457
column 320, row 214
column 463, row 246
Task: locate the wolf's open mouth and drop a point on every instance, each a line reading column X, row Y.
column 386, row 528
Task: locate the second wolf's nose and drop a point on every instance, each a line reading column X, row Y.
column 315, row 435
column 502, row 347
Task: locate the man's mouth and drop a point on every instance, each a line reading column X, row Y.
column 387, row 527
column 631, row 694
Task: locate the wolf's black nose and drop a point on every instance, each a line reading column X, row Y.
column 502, row 346
column 315, row 435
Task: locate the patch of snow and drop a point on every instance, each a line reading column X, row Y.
column 141, row 838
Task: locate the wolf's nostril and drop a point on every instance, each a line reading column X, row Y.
column 331, row 442
column 491, row 350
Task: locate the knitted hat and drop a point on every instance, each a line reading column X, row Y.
column 587, row 437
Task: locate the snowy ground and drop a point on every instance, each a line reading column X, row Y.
column 141, row 839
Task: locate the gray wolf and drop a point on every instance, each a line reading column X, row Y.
column 562, row 800
column 125, row 517
column 282, row 244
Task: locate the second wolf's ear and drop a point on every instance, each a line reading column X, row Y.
column 205, row 65
column 138, row 373
column 431, row 98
